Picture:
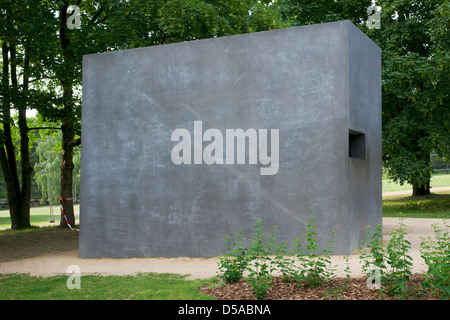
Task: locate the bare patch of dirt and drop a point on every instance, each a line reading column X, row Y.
column 15, row 245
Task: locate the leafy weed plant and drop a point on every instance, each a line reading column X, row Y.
column 263, row 255
column 233, row 264
column 390, row 266
column 399, row 261
column 259, row 266
column 315, row 264
column 436, row 254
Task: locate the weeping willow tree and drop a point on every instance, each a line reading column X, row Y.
column 48, row 169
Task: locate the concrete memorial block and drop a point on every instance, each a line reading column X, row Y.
column 185, row 143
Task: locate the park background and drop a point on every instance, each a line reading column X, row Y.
column 42, row 45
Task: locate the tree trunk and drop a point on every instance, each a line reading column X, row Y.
column 66, row 175
column 421, row 190
column 66, row 128
column 422, row 156
column 27, row 170
column 18, row 200
column 7, row 152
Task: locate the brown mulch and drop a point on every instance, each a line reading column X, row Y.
column 336, row 289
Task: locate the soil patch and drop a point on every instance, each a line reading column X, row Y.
column 336, row 289
column 48, row 241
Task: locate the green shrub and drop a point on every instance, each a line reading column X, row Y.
column 315, row 263
column 263, row 255
column 400, row 263
column 232, row 264
column 436, row 253
column 284, row 261
column 392, row 264
column 259, row 266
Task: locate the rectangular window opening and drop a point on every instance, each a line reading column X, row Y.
column 357, row 144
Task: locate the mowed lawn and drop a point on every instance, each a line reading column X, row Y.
column 39, row 216
column 439, row 180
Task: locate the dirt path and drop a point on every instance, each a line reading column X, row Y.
column 54, row 260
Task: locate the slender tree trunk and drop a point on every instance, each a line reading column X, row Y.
column 27, row 170
column 423, row 156
column 7, row 138
column 10, row 191
column 67, row 173
column 421, row 190
column 18, row 200
column 66, row 128
column 6, row 148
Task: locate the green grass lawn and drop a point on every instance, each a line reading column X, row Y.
column 38, row 215
column 436, row 205
column 147, row 286
column 432, row 206
column 437, row 180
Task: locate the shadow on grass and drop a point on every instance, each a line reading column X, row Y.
column 431, row 206
column 35, row 242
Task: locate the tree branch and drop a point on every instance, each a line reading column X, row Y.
column 75, row 143
column 38, row 79
column 96, row 15
column 44, row 128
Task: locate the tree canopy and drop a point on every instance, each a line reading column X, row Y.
column 415, row 48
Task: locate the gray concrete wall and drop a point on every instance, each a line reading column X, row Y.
column 309, row 82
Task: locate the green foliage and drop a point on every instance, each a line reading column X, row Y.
column 415, row 86
column 47, row 170
column 259, row 268
column 372, row 256
column 315, row 264
column 284, row 261
column 263, row 255
column 232, row 265
column 392, row 265
column 299, row 13
column 436, row 254
column 399, row 261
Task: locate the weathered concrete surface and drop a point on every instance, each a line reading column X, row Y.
column 314, row 84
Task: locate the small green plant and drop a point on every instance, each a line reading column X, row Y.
column 372, row 252
column 399, row 261
column 436, row 254
column 259, row 266
column 390, row 266
column 336, row 292
column 264, row 254
column 232, row 265
column 315, row 264
column 284, row 262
